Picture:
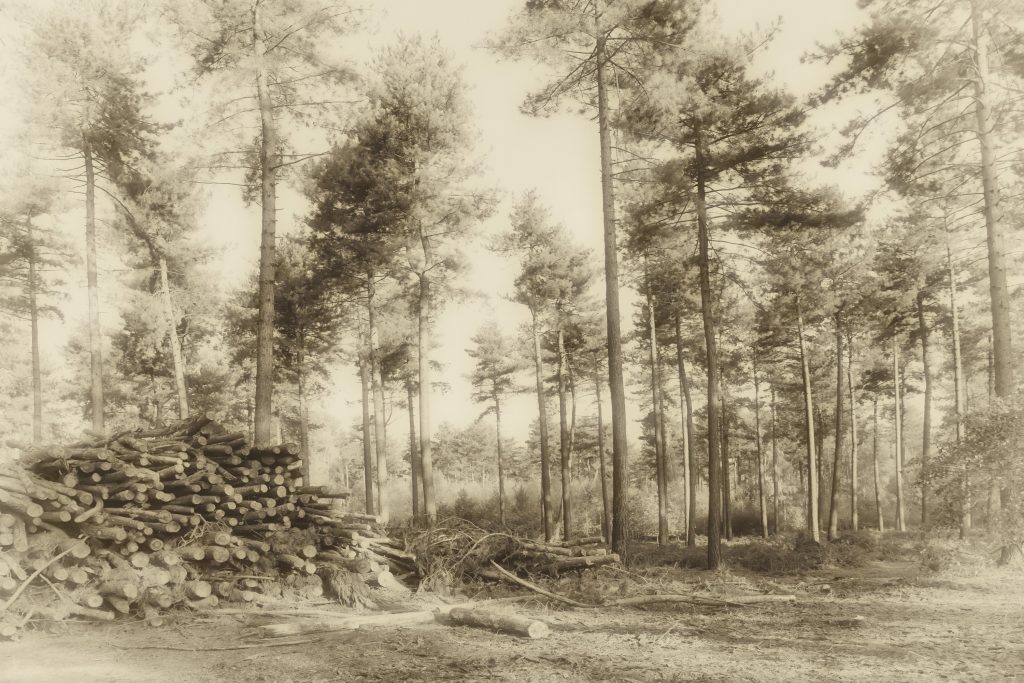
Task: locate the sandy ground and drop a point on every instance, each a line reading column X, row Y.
column 915, row 627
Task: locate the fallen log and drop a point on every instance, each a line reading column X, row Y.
column 503, row 623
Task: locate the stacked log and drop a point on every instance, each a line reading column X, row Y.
column 178, row 515
column 554, row 558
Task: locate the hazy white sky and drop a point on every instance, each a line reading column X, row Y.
column 557, row 156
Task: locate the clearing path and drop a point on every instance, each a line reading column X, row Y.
column 914, row 627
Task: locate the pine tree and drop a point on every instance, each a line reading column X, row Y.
column 613, row 38
column 553, row 276
column 493, row 379
column 92, row 98
column 939, row 72
column 274, row 47
column 734, row 133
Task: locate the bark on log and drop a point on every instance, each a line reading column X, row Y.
column 504, row 623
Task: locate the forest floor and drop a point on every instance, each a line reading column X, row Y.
column 917, row 625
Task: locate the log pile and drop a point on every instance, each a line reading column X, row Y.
column 457, row 550
column 554, row 558
column 189, row 514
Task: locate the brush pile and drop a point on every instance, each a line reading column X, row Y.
column 454, row 551
column 187, row 515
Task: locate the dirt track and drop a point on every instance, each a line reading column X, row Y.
column 915, row 627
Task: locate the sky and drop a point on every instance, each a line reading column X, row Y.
column 557, row 156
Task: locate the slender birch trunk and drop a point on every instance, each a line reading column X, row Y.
column 426, row 448
column 761, row 493
column 958, row 386
column 377, row 387
column 997, row 276
column 926, row 437
column 812, row 459
column 33, row 310
column 177, row 357
column 711, row 344
column 616, row 386
column 775, row 468
column 364, row 380
column 659, row 435
column 901, row 523
column 833, row 513
column 303, row 412
column 414, row 461
column 878, row 479
column 854, row 517
column 501, row 464
column 563, row 437
column 95, row 338
column 547, row 509
column 690, row 478
column 726, row 497
column 268, row 176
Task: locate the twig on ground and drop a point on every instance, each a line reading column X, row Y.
column 537, row 589
column 250, row 646
column 31, row 577
column 737, row 601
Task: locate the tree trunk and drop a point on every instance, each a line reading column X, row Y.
column 878, row 479
column 833, row 512
column 267, row 276
column 501, row 465
column 812, row 458
column 414, row 464
column 563, row 437
column 775, row 469
column 364, row 379
column 547, row 511
column 250, row 420
column 761, row 493
column 998, row 290
column 854, row 522
column 606, row 518
column 426, row 454
column 690, row 477
column 901, row 523
column 172, row 331
column 377, row 384
column 713, row 402
column 958, row 387
column 303, row 411
column 926, row 437
column 819, row 446
column 95, row 340
column 659, row 436
column 616, row 385
column 33, row 310
column 726, row 469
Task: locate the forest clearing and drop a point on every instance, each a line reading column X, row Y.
column 525, row 339
column 917, row 625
